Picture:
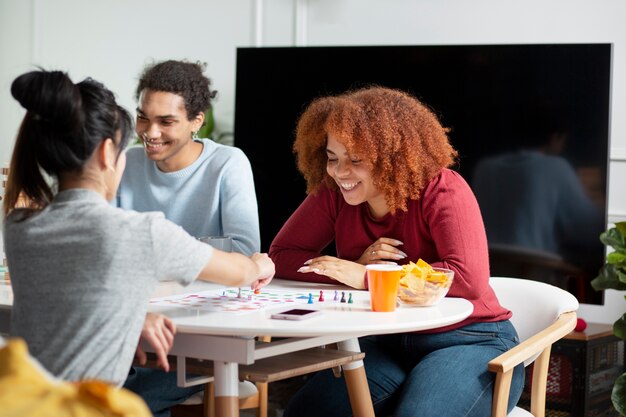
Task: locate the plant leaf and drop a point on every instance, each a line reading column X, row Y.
column 609, row 278
column 613, row 275
column 618, row 395
column 621, row 226
column 616, row 257
column 621, row 276
column 619, row 327
column 209, row 124
column 614, row 238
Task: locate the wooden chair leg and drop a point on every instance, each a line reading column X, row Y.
column 209, row 400
column 262, row 387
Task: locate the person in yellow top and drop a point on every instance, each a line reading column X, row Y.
column 28, row 390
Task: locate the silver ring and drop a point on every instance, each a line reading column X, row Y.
column 373, row 252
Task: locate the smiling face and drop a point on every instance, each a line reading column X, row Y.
column 354, row 178
column 164, row 128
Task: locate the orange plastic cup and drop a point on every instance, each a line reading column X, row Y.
column 383, row 281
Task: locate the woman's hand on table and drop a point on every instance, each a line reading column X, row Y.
column 158, row 331
column 347, row 272
column 382, row 251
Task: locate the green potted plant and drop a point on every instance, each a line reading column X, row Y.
column 613, row 275
column 210, row 129
column 206, row 131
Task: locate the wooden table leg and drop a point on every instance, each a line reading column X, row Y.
column 356, row 381
column 226, row 376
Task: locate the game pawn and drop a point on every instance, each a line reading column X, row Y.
column 321, row 295
column 336, row 296
column 310, row 299
column 343, row 297
column 350, row 299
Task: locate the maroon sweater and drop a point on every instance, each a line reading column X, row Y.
column 444, row 228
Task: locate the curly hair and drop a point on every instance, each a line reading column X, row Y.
column 400, row 136
column 179, row 77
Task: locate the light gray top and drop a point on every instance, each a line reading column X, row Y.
column 82, row 273
column 214, row 196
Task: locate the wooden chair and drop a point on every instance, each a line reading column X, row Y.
column 542, row 314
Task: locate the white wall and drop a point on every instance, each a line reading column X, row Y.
column 113, row 40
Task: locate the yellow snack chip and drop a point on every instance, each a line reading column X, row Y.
column 423, row 285
column 423, row 265
column 415, row 275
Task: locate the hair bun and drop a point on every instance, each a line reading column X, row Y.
column 50, row 96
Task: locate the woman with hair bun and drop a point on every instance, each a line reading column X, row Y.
column 82, row 270
column 376, row 162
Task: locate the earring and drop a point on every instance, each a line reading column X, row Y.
column 194, row 135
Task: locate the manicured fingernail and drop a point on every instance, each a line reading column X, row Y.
column 399, row 242
column 399, row 256
column 308, row 262
column 304, row 269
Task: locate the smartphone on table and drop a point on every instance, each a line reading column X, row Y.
column 296, row 314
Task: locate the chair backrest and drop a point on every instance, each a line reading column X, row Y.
column 535, row 305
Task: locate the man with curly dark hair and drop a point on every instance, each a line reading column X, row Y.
column 205, row 187
column 376, row 162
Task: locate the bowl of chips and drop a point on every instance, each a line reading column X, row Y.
column 422, row 285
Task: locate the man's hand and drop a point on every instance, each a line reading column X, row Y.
column 158, row 331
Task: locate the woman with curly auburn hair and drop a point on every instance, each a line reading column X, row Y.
column 376, row 162
column 382, row 124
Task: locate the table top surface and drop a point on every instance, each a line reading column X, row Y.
column 355, row 319
column 593, row 331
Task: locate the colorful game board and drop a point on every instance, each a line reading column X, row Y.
column 232, row 299
column 245, row 300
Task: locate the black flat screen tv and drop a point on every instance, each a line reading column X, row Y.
column 549, row 101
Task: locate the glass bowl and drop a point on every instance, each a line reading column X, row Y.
column 429, row 291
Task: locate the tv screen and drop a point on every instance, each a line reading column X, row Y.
column 530, row 123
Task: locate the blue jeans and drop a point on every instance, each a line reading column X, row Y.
column 420, row 375
column 158, row 389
